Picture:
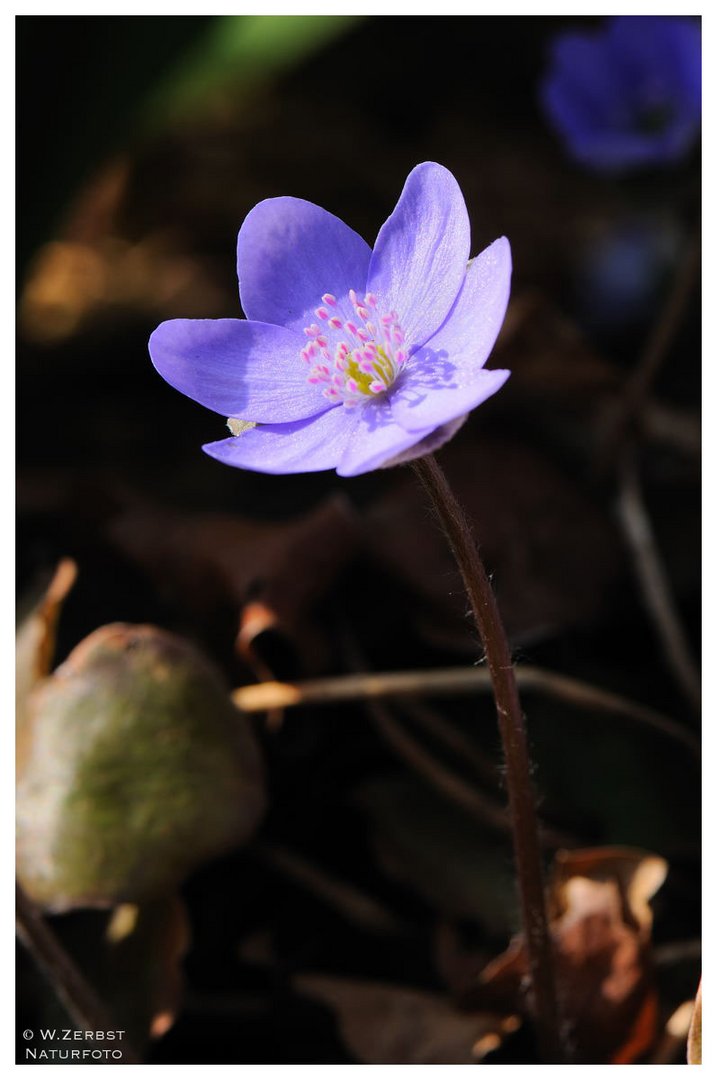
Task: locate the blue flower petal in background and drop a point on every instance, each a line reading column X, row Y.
column 628, row 95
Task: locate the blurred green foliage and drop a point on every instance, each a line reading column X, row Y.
column 237, row 50
column 89, row 86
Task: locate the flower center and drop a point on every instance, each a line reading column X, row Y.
column 356, row 358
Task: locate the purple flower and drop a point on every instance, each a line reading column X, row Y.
column 628, row 95
column 350, row 359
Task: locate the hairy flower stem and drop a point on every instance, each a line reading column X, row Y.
column 526, row 844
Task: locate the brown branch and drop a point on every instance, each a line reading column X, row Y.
column 452, row 738
column 352, row 903
column 671, row 1047
column 83, row 1006
column 454, row 681
column 675, row 428
column 654, row 583
column 677, row 952
column 473, row 801
column 632, row 401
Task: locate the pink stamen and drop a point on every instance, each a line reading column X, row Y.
column 366, row 344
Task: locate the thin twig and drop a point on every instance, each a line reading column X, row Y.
column 352, row 903
column 526, row 843
column 453, row 681
column 676, row 428
column 656, row 348
column 654, row 583
column 454, row 740
column 474, row 802
column 677, row 952
column 83, row 1006
column 672, row 1046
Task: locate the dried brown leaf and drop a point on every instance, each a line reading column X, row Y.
column 394, row 1025
column 145, row 945
column 35, row 641
column 601, row 925
column 273, row 573
column 694, row 1037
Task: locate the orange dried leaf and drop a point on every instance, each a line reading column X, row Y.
column 601, row 926
column 35, row 642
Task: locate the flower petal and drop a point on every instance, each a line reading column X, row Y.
column 289, row 254
column 416, row 408
column 305, row 446
column 433, row 441
column 446, row 378
column 419, row 261
column 237, row 368
column 470, row 331
column 375, row 440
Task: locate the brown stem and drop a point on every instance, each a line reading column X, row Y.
column 521, row 800
column 83, row 1006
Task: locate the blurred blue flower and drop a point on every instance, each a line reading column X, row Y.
column 628, row 95
column 621, row 271
column 351, row 359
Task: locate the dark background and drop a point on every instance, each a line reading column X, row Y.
column 139, row 155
